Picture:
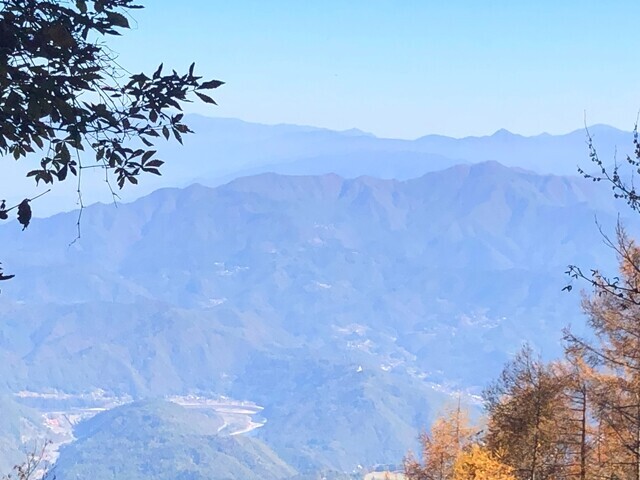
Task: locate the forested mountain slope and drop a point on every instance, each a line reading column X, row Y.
column 348, row 308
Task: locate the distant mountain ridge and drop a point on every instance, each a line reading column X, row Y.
column 289, row 149
column 224, row 149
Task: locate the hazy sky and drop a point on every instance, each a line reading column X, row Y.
column 403, row 68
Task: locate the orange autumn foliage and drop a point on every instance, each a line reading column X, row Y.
column 477, row 463
column 450, row 434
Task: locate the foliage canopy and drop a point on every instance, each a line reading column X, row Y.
column 67, row 104
column 63, row 91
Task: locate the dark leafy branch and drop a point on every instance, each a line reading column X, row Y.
column 24, row 210
column 61, row 89
column 24, row 218
column 67, row 104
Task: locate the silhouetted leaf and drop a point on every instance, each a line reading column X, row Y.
column 148, row 155
column 117, row 19
column 24, row 213
column 210, row 84
column 205, row 98
column 157, row 73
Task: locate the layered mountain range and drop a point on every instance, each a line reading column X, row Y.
column 225, row 149
column 351, row 309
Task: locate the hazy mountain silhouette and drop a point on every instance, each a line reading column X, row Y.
column 224, row 149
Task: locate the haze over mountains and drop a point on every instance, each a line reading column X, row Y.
column 349, row 309
column 224, row 149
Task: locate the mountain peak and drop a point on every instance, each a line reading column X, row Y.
column 356, row 132
column 504, row 133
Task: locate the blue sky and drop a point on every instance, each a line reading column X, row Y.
column 403, row 68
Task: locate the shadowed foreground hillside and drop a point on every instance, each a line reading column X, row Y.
column 164, row 441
